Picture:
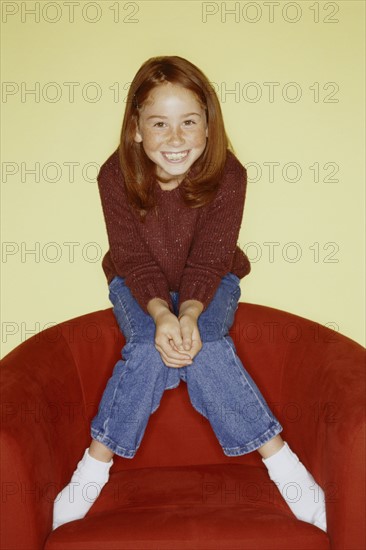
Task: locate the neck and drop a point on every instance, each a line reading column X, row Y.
column 168, row 186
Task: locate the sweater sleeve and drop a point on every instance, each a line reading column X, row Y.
column 130, row 255
column 215, row 238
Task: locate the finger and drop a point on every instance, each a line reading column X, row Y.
column 164, row 356
column 186, row 331
column 176, row 342
column 177, row 361
column 196, row 347
column 181, row 349
column 187, row 338
column 171, row 349
column 177, row 356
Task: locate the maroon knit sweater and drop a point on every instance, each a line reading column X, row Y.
column 178, row 248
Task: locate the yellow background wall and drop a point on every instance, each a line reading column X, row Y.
column 296, row 73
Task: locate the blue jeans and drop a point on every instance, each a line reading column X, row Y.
column 218, row 385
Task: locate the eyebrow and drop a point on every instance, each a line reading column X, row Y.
column 183, row 116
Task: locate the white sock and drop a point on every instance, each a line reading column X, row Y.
column 297, row 486
column 75, row 500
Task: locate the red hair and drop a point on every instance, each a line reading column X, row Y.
column 200, row 184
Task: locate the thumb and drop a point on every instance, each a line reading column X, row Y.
column 187, row 338
column 177, row 340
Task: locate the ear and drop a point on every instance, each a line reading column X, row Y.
column 138, row 136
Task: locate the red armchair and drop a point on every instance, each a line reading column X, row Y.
column 181, row 491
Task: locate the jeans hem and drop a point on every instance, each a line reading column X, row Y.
column 172, row 387
column 116, row 449
column 255, row 444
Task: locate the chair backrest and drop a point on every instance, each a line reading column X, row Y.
column 176, row 433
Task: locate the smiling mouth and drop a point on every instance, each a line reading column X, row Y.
column 175, row 157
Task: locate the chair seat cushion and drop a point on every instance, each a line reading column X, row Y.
column 201, row 507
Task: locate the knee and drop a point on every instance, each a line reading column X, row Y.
column 134, row 322
column 142, row 329
column 143, row 355
column 215, row 322
column 144, row 335
column 210, row 330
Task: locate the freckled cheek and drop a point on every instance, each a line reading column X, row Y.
column 152, row 142
column 201, row 140
column 195, row 140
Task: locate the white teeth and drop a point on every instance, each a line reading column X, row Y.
column 175, row 156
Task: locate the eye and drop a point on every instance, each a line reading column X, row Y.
column 159, row 124
column 189, row 122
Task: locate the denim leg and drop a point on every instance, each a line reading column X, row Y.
column 138, row 381
column 220, row 388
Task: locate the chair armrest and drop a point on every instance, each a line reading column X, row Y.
column 42, row 420
column 314, row 381
column 324, row 379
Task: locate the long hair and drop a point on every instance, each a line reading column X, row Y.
column 200, row 184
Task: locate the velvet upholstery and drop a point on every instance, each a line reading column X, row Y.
column 181, row 491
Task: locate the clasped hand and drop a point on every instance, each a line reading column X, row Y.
column 177, row 340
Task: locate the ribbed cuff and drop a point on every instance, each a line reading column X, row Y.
column 146, row 289
column 198, row 290
column 149, row 294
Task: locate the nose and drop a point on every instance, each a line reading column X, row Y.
column 175, row 137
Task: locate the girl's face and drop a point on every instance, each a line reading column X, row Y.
column 173, row 130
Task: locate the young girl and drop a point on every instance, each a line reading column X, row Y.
column 173, row 198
